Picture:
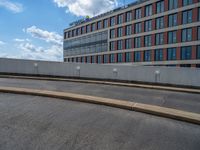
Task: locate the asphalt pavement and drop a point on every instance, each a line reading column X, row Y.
column 39, row 123
column 177, row 100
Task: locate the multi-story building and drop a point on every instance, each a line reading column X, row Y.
column 147, row 32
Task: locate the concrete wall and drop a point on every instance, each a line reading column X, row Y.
column 164, row 75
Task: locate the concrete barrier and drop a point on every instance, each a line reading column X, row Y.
column 150, row 74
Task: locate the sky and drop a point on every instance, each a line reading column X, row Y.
column 33, row 29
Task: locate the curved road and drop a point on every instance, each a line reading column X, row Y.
column 38, row 123
column 178, row 100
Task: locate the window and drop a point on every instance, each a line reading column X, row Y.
column 82, row 30
column 74, row 32
column 93, row 59
column 160, row 23
column 112, row 46
column 171, row 54
column 138, row 27
column 98, row 25
column 88, row 59
column 128, row 16
column 112, row 21
column 186, row 52
column 88, row 29
column 119, row 45
column 172, row 20
column 105, row 23
column 119, row 57
column 120, row 19
column 187, row 16
column 79, row 31
column 198, row 33
column 198, row 52
column 173, row 4
column 120, row 32
column 187, row 35
column 112, row 33
column 106, row 58
column 147, row 55
column 158, row 55
column 99, row 59
column 172, row 37
column 128, row 57
column 148, row 10
column 147, row 40
column 159, row 39
column 112, row 58
column 137, row 42
column 148, row 25
column 128, row 43
column 137, row 56
column 128, row 30
column 160, row 6
column 93, row 27
column 138, row 13
column 187, row 2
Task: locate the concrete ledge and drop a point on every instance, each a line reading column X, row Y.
column 137, row 85
column 150, row 109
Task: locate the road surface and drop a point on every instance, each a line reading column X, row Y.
column 39, row 123
column 178, row 100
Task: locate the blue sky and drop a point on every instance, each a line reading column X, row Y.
column 33, row 29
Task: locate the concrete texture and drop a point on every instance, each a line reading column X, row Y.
column 137, row 85
column 164, row 75
column 177, row 100
column 30, row 122
column 150, row 109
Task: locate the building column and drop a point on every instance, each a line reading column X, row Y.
column 116, row 58
column 179, row 36
column 164, row 54
column 153, row 24
column 123, row 44
column 143, row 11
column 132, row 56
column 194, row 34
column 178, row 53
column 153, row 36
column 123, row 57
column 154, row 8
column 165, row 37
column 166, row 4
column 179, row 18
column 115, row 45
column 166, row 21
column 142, row 56
column 195, row 14
column 194, row 52
column 152, row 55
column 124, row 30
column 180, row 3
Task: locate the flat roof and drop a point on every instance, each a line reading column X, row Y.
column 84, row 20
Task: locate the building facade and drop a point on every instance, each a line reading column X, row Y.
column 148, row 32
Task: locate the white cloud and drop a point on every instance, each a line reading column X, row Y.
column 50, row 37
column 21, row 40
column 12, row 6
column 87, row 7
column 53, row 52
column 2, row 43
column 30, row 51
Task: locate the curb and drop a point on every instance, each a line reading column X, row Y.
column 145, row 108
column 177, row 89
